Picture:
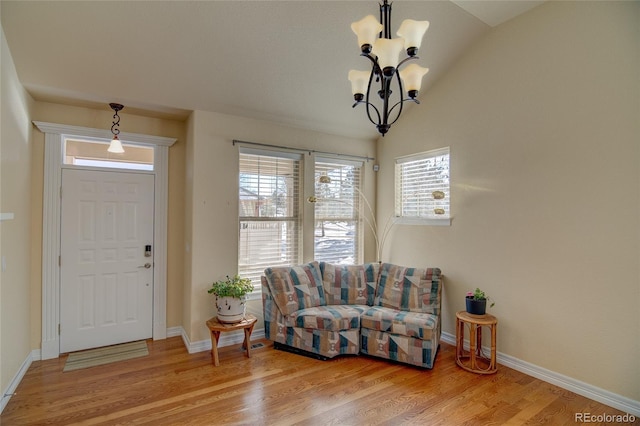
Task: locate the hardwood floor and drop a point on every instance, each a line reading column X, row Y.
column 171, row 387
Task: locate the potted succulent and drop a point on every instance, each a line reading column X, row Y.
column 231, row 295
column 477, row 302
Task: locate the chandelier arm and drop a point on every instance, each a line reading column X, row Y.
column 400, row 88
column 408, row 58
column 369, row 104
column 374, row 61
column 400, row 102
column 399, row 112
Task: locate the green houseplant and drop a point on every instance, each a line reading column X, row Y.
column 231, row 297
column 476, row 302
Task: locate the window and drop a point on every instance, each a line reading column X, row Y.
column 337, row 227
column 422, row 188
column 269, row 209
column 93, row 153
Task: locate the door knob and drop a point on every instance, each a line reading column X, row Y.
column 146, row 265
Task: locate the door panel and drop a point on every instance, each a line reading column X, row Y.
column 106, row 292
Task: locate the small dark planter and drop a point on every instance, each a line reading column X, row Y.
column 476, row 307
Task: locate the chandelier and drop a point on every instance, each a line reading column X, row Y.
column 116, row 146
column 376, row 44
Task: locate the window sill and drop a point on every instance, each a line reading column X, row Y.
column 445, row 221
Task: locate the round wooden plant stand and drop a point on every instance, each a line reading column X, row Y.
column 475, row 360
column 216, row 327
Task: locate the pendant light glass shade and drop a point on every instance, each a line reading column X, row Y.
column 115, row 146
column 412, row 77
column 412, row 32
column 359, row 81
column 367, row 30
column 388, row 52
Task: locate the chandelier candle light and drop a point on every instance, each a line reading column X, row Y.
column 116, row 146
column 384, row 53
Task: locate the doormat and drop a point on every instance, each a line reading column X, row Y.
column 106, row 355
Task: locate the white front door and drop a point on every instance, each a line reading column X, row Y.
column 106, row 281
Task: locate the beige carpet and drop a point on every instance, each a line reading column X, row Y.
column 106, row 355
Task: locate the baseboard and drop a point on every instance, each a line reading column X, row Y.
column 603, row 396
column 13, row 385
column 226, row 339
column 174, row 331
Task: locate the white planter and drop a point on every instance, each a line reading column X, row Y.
column 230, row 309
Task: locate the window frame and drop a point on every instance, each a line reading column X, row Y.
column 357, row 216
column 92, row 154
column 296, row 218
column 427, row 186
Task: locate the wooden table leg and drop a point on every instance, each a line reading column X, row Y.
column 459, row 339
column 215, row 336
column 473, row 346
column 493, row 347
column 247, row 339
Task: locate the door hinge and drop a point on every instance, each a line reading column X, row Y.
column 59, row 260
column 60, row 192
column 59, row 329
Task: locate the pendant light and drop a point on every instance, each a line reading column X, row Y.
column 116, row 146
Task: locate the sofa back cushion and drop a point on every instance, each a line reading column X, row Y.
column 296, row 287
column 409, row 289
column 349, row 284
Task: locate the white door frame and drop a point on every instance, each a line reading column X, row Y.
column 53, row 164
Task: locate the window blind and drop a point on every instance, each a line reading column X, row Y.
column 337, row 235
column 422, row 185
column 269, row 209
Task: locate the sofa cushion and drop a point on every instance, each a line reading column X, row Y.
column 418, row 352
column 329, row 318
column 349, row 284
column 412, row 324
column 409, row 289
column 296, row 287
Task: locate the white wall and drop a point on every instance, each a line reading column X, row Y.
column 542, row 118
column 15, row 162
column 211, row 229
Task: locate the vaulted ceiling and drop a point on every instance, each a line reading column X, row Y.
column 284, row 61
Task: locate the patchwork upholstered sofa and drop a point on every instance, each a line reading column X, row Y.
column 382, row 310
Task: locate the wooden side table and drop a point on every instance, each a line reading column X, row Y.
column 216, row 327
column 474, row 360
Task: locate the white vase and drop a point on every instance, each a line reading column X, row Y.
column 230, row 309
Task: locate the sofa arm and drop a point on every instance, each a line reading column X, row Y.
column 410, row 289
column 272, row 316
column 269, row 306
